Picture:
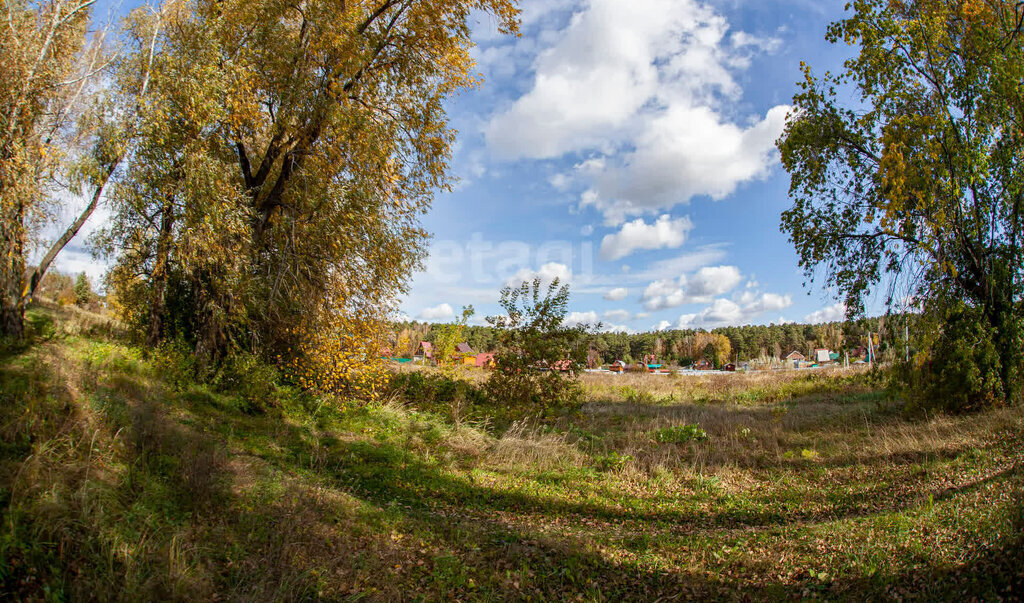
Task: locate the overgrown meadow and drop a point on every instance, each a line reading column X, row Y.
column 121, row 478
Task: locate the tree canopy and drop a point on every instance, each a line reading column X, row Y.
column 286, row 154
column 917, row 189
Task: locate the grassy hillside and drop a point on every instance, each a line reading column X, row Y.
column 120, row 479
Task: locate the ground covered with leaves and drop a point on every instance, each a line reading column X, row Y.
column 121, row 480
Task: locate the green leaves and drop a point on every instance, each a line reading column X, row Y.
column 538, row 357
column 913, row 189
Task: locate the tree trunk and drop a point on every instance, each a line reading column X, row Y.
column 12, row 319
column 159, row 278
column 12, row 272
column 40, row 271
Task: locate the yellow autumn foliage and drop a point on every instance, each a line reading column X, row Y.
column 343, row 357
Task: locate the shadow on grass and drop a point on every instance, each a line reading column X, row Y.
column 188, row 520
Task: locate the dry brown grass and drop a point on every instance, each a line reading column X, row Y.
column 525, row 446
column 758, row 386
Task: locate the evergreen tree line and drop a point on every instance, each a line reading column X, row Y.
column 766, row 343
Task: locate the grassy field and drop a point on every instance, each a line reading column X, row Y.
column 121, row 480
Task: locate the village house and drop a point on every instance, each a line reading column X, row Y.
column 484, row 360
column 424, row 352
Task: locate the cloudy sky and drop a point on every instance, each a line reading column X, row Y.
column 627, row 148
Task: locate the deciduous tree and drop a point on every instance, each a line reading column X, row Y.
column 44, row 64
column 317, row 135
column 920, row 183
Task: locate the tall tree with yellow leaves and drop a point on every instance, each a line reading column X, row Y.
column 41, row 47
column 319, row 133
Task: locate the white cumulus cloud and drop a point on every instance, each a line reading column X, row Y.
column 663, row 233
column 701, row 287
column 581, row 318
column 438, row 313
column 640, row 89
column 617, row 294
column 547, row 273
column 609, row 328
column 725, row 312
column 833, row 313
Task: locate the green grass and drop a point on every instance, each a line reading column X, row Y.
column 118, row 484
column 680, row 433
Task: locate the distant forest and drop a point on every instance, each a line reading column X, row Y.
column 765, row 343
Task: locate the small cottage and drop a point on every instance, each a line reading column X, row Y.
column 425, row 351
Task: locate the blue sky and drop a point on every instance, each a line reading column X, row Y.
column 627, row 148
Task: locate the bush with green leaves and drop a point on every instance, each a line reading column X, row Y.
column 539, row 358
column 959, row 369
column 252, row 379
column 174, row 362
column 426, row 389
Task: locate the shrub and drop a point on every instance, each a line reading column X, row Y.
column 251, row 379
column 342, row 358
column 539, row 358
column 427, row 389
column 174, row 362
column 678, row 434
column 958, row 371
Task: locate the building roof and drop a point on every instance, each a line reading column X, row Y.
column 463, row 348
column 795, row 355
column 427, row 347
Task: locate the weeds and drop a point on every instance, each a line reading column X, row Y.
column 680, row 433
